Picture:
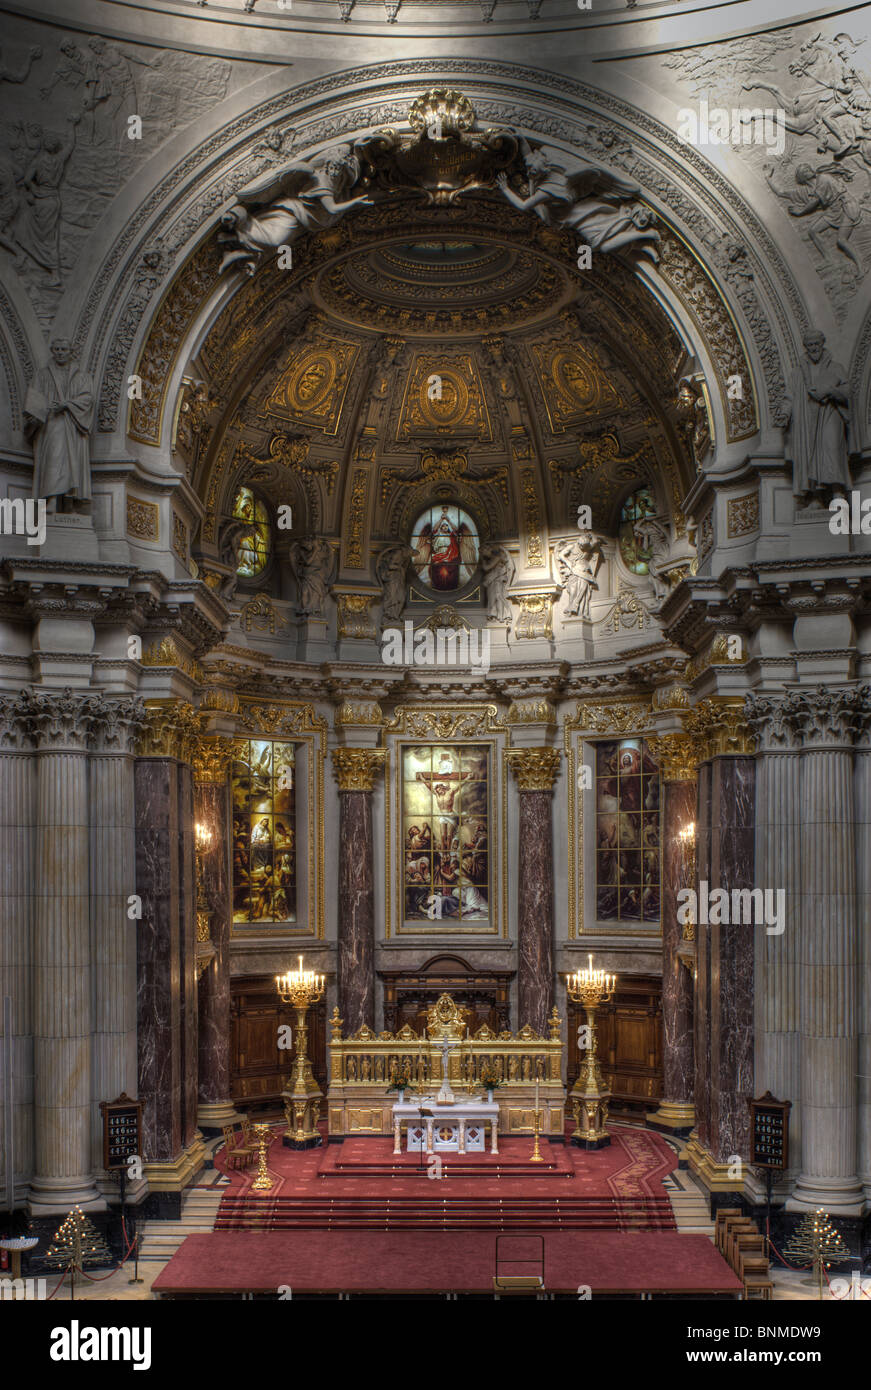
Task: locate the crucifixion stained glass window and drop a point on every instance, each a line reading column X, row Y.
column 628, row 832
column 264, row 831
column 445, row 809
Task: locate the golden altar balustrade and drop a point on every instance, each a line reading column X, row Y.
column 362, row 1065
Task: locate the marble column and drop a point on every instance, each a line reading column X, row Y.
column 17, row 777
column 212, row 809
column 166, row 947
column 113, row 933
column 829, row 955
column 778, row 864
column 62, row 1000
column 535, row 770
column 724, row 990
column 355, row 770
column 862, row 821
column 676, row 1111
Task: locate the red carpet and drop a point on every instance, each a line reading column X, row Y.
column 397, row 1263
column 361, row 1184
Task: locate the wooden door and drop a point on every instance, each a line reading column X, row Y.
column 259, row 1069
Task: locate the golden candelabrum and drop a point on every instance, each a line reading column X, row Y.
column 263, row 1182
column 687, row 839
column 590, row 988
column 205, row 949
column 302, row 1101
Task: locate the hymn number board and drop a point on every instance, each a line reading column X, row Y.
column 769, row 1132
column 122, row 1131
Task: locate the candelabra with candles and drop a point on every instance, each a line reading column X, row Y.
column 687, row 839
column 590, row 988
column 205, row 948
column 302, row 1100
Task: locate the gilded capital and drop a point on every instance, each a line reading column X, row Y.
column 720, row 727
column 534, row 768
column 357, row 768
column 169, row 730
column 210, row 758
column 677, row 755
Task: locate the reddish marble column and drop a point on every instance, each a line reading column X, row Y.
column 535, row 770
column 212, row 810
column 676, row 1112
column 355, row 770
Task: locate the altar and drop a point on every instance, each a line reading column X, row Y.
column 458, row 1128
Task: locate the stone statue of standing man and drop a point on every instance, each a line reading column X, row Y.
column 818, row 424
column 58, row 410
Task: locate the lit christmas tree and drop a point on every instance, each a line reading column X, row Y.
column 78, row 1245
column 816, row 1244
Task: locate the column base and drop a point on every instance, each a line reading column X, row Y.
column 836, row 1196
column 673, row 1117
column 176, row 1173
column 57, row 1196
column 715, row 1176
column 213, row 1115
column 311, row 1143
column 592, row 1142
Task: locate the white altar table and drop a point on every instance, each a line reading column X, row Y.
column 458, row 1128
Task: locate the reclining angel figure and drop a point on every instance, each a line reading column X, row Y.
column 278, row 208
column 601, row 207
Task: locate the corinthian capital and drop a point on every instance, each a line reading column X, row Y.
column 62, row 720
column 357, row 768
column 15, row 727
column 776, row 720
column 115, row 724
column 534, row 768
column 806, row 718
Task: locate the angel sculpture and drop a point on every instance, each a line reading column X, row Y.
column 577, row 564
column 498, row 570
column 311, row 560
column 302, row 197
column 652, row 539
column 391, row 570
column 446, row 552
column 600, row 206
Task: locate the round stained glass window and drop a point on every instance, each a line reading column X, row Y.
column 255, row 544
column 444, row 543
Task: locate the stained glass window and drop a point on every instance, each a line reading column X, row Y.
column 264, row 831
column 444, row 542
column 446, row 831
column 628, row 833
column 255, row 544
column 638, row 505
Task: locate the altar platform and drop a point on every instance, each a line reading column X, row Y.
column 415, row 1264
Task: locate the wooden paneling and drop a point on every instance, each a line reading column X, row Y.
column 630, row 1043
column 259, row 1071
column 409, row 994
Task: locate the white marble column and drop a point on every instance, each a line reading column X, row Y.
column 17, row 774
column 829, row 956
column 862, row 820
column 62, row 956
column 113, row 933
column 778, row 865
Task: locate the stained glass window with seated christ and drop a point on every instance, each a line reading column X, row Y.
column 628, row 833
column 446, row 832
column 264, row 831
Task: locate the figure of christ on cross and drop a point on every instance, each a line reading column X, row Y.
column 445, row 787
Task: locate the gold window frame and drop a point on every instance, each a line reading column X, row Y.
column 592, row 724
column 291, row 721
column 411, row 726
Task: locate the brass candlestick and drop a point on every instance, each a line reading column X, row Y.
column 591, row 988
column 302, row 1102
column 263, row 1182
column 536, row 1156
